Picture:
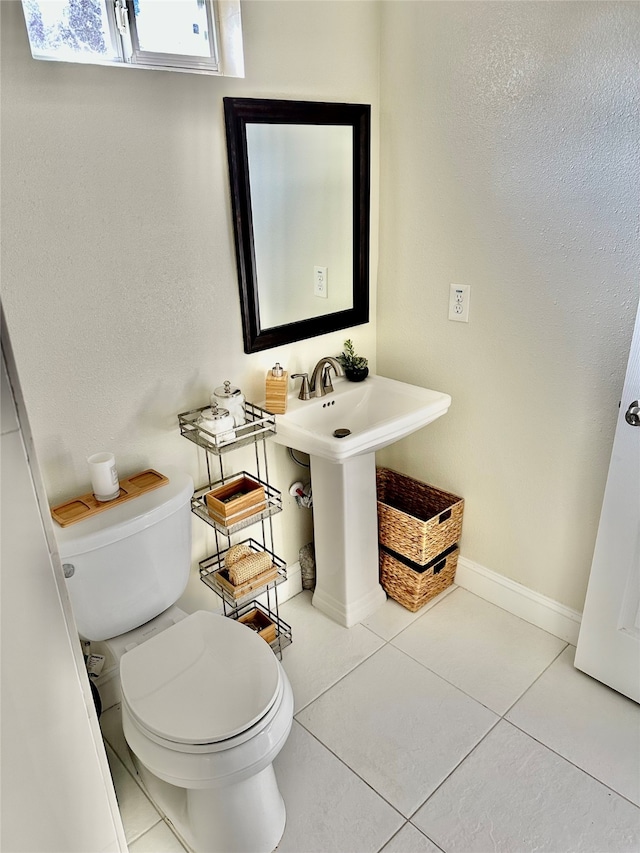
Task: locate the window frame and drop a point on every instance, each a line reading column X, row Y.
column 156, row 59
column 226, row 44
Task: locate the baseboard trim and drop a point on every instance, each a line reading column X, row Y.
column 287, row 589
column 515, row 598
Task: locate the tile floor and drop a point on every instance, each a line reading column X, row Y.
column 460, row 728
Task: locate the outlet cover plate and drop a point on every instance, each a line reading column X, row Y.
column 459, row 298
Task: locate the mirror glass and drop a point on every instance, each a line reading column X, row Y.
column 300, row 194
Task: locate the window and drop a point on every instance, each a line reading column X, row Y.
column 187, row 35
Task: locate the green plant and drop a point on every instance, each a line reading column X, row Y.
column 349, row 360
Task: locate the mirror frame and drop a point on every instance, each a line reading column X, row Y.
column 242, row 111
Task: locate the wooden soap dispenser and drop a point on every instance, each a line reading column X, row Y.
column 277, row 386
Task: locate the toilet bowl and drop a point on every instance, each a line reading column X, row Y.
column 206, row 705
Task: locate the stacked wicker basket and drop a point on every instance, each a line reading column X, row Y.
column 419, row 529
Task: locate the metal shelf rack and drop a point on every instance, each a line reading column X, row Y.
column 236, row 603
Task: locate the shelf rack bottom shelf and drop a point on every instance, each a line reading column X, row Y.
column 283, row 632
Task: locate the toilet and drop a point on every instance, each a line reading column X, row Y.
column 206, row 705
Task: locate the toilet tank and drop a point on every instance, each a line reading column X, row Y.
column 130, row 562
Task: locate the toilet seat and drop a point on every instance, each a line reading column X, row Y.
column 206, row 683
column 214, row 746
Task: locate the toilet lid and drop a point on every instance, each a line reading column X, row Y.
column 206, row 679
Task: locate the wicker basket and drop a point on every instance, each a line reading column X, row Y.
column 413, row 585
column 415, row 520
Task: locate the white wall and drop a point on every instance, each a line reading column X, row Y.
column 118, row 269
column 57, row 793
column 510, row 162
column 509, row 136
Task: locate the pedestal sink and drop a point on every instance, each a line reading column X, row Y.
column 375, row 413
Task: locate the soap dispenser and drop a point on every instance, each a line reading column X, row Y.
column 277, row 386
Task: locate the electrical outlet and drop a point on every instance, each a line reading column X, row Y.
column 320, row 282
column 459, row 298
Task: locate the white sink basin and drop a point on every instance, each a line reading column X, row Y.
column 377, row 412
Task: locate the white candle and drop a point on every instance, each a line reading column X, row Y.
column 104, row 476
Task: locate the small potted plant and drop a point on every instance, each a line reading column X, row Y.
column 355, row 366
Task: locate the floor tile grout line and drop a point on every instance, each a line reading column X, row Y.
column 541, row 743
column 177, row 835
column 129, row 773
column 453, row 770
column 572, row 763
column 420, row 663
column 515, row 616
column 443, row 596
column 135, row 838
column 448, row 595
column 450, row 683
column 390, row 839
column 405, row 824
column 161, row 814
column 151, row 828
column 342, row 677
column 351, row 770
column 409, row 820
column 535, row 680
column 417, row 616
column 389, row 643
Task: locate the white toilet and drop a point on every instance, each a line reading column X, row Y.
column 206, row 705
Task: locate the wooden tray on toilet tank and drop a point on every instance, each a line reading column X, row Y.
column 78, row 509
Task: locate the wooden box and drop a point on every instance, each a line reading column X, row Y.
column 260, row 623
column 236, row 500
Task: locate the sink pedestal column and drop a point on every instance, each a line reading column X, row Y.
column 345, row 522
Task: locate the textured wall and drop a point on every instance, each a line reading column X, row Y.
column 509, row 134
column 118, row 269
column 509, row 139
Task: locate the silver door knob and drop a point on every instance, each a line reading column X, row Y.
column 632, row 415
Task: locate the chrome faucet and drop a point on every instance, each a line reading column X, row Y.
column 320, row 383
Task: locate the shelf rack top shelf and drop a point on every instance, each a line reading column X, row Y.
column 260, row 424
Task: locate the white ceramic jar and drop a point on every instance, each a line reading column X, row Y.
column 232, row 399
column 218, row 422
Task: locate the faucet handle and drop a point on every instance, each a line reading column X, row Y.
column 304, row 386
column 327, row 385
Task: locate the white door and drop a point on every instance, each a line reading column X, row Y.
column 609, row 640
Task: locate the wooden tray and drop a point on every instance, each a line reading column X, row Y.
column 260, row 623
column 239, row 591
column 78, row 509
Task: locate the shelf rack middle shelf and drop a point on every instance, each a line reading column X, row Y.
column 272, row 499
column 213, row 574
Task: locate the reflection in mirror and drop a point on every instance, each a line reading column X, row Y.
column 302, row 204
column 300, row 193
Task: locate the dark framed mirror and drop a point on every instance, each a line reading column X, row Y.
column 300, row 184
